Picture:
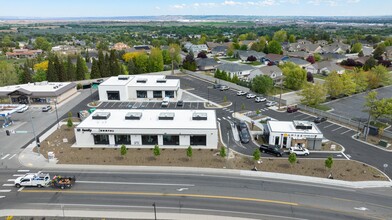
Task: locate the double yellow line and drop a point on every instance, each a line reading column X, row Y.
column 164, row 194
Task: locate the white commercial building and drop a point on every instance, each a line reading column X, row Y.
column 134, row 87
column 146, row 128
column 294, row 133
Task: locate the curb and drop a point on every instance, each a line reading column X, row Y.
column 373, row 145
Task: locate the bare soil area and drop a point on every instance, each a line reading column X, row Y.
column 342, row 169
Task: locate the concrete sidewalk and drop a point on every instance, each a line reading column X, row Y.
column 32, row 160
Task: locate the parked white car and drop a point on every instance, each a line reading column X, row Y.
column 33, row 179
column 240, row 93
column 23, row 109
column 260, row 99
column 271, row 103
column 165, row 102
column 299, row 151
column 223, row 88
column 250, row 96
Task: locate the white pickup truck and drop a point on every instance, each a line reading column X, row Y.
column 33, row 179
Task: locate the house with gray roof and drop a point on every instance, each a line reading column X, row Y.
column 367, row 51
column 324, row 67
column 244, row 54
column 300, row 62
column 336, row 57
column 298, row 54
column 206, row 64
column 274, row 58
column 241, row 70
column 336, row 47
column 219, row 50
column 272, row 71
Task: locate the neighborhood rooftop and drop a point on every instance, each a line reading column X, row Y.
column 38, row 88
column 144, row 80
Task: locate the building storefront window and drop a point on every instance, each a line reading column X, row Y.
column 39, row 100
column 157, row 94
column 101, row 139
column 171, row 140
column 149, row 139
column 122, row 139
column 169, row 94
column 198, row 140
column 141, row 94
column 113, row 95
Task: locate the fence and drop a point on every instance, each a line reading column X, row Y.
column 231, row 85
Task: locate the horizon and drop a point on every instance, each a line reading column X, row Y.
column 267, row 8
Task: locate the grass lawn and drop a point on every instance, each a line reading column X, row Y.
column 319, row 76
column 254, row 63
column 230, row 59
column 323, row 107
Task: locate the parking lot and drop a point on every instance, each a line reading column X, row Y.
column 150, row 105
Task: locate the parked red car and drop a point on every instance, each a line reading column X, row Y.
column 291, row 109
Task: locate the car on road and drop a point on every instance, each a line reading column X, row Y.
column 240, row 93
column 271, row 103
column 242, row 125
column 260, row 99
column 300, row 151
column 23, row 109
column 292, row 109
column 275, row 150
column 46, row 108
column 33, row 179
column 250, row 96
column 223, row 88
column 244, row 136
column 217, row 86
column 180, row 103
column 320, row 119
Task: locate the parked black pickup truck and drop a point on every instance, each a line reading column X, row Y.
column 276, row 150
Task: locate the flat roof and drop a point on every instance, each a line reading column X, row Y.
column 141, row 80
column 182, row 119
column 44, row 88
column 288, row 127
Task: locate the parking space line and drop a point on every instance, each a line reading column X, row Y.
column 329, row 125
column 346, row 131
column 113, row 105
column 219, row 119
column 228, row 117
column 106, row 103
column 153, row 106
column 337, row 128
column 147, row 104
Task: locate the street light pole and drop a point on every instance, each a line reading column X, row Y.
column 155, row 210
column 57, row 115
column 208, row 95
column 35, row 136
column 228, row 144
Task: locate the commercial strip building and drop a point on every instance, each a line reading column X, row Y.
column 288, row 134
column 127, row 88
column 37, row 93
column 146, row 128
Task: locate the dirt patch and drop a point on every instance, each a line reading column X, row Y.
column 342, row 169
column 376, row 140
column 331, row 146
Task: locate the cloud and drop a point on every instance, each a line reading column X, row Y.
column 353, row 1
column 181, row 6
column 231, row 3
column 327, row 2
column 157, row 8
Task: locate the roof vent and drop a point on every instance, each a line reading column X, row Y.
column 141, row 80
column 133, row 116
column 199, row 116
column 123, row 77
column 166, row 116
column 161, row 80
column 304, row 125
column 101, row 115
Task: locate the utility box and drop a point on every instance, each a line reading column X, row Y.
column 51, row 155
column 383, row 143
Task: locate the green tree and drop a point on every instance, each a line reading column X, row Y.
column 328, row 162
column 123, row 150
column 379, row 51
column 26, row 74
column 349, row 85
column 292, row 38
column 222, row 152
column 189, row 62
column 256, row 155
column 189, row 152
column 51, row 74
column 114, row 66
column 377, row 108
column 313, row 94
column 356, row 48
column 292, row 159
column 274, row 47
column 81, row 68
column 166, row 57
column 378, row 76
column 360, row 79
column 71, row 75
column 155, row 61
column 157, row 151
column 317, row 57
column 294, row 76
column 141, row 63
column 59, row 69
column 280, row 36
column 132, row 68
column 334, row 85
column 39, row 76
column 95, row 74
column 370, row 63
column 262, row 84
column 8, row 75
column 69, row 121
column 42, row 43
column 235, row 79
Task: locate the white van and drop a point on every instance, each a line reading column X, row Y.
column 165, row 102
column 33, row 179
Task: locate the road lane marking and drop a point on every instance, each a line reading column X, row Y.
column 219, row 119
column 21, row 188
column 346, row 156
column 128, row 183
column 8, row 184
column 165, row 195
column 18, row 175
column 329, row 125
column 228, row 117
column 223, row 118
column 5, row 190
column 5, row 156
column 12, row 157
column 23, row 171
column 10, row 180
column 337, row 128
column 345, row 132
column 182, row 189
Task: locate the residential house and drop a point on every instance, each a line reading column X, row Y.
column 308, row 47
column 324, row 67
column 241, row 70
column 336, row 48
column 335, row 57
column 298, row 54
column 300, row 62
column 66, row 49
column 244, row 54
column 273, row 58
column 219, row 50
column 195, row 48
column 367, row 51
column 388, row 52
column 205, row 64
column 362, row 60
column 120, row 46
column 212, row 45
column 303, row 41
column 321, row 42
column 22, row 53
column 272, row 71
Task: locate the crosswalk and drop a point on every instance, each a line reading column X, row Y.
column 228, row 110
column 9, row 186
column 7, row 156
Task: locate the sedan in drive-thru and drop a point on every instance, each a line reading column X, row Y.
column 319, row 119
column 240, row 93
column 250, row 96
column 299, row 151
column 244, row 136
column 260, row 99
column 271, row 103
column 242, row 125
column 180, row 103
column 270, row 149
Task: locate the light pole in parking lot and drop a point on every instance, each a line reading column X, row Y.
column 208, row 95
column 228, row 144
column 57, row 115
column 35, row 136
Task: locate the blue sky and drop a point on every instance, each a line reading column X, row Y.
column 99, row 8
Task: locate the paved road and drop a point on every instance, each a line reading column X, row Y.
column 354, row 149
column 237, row 196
